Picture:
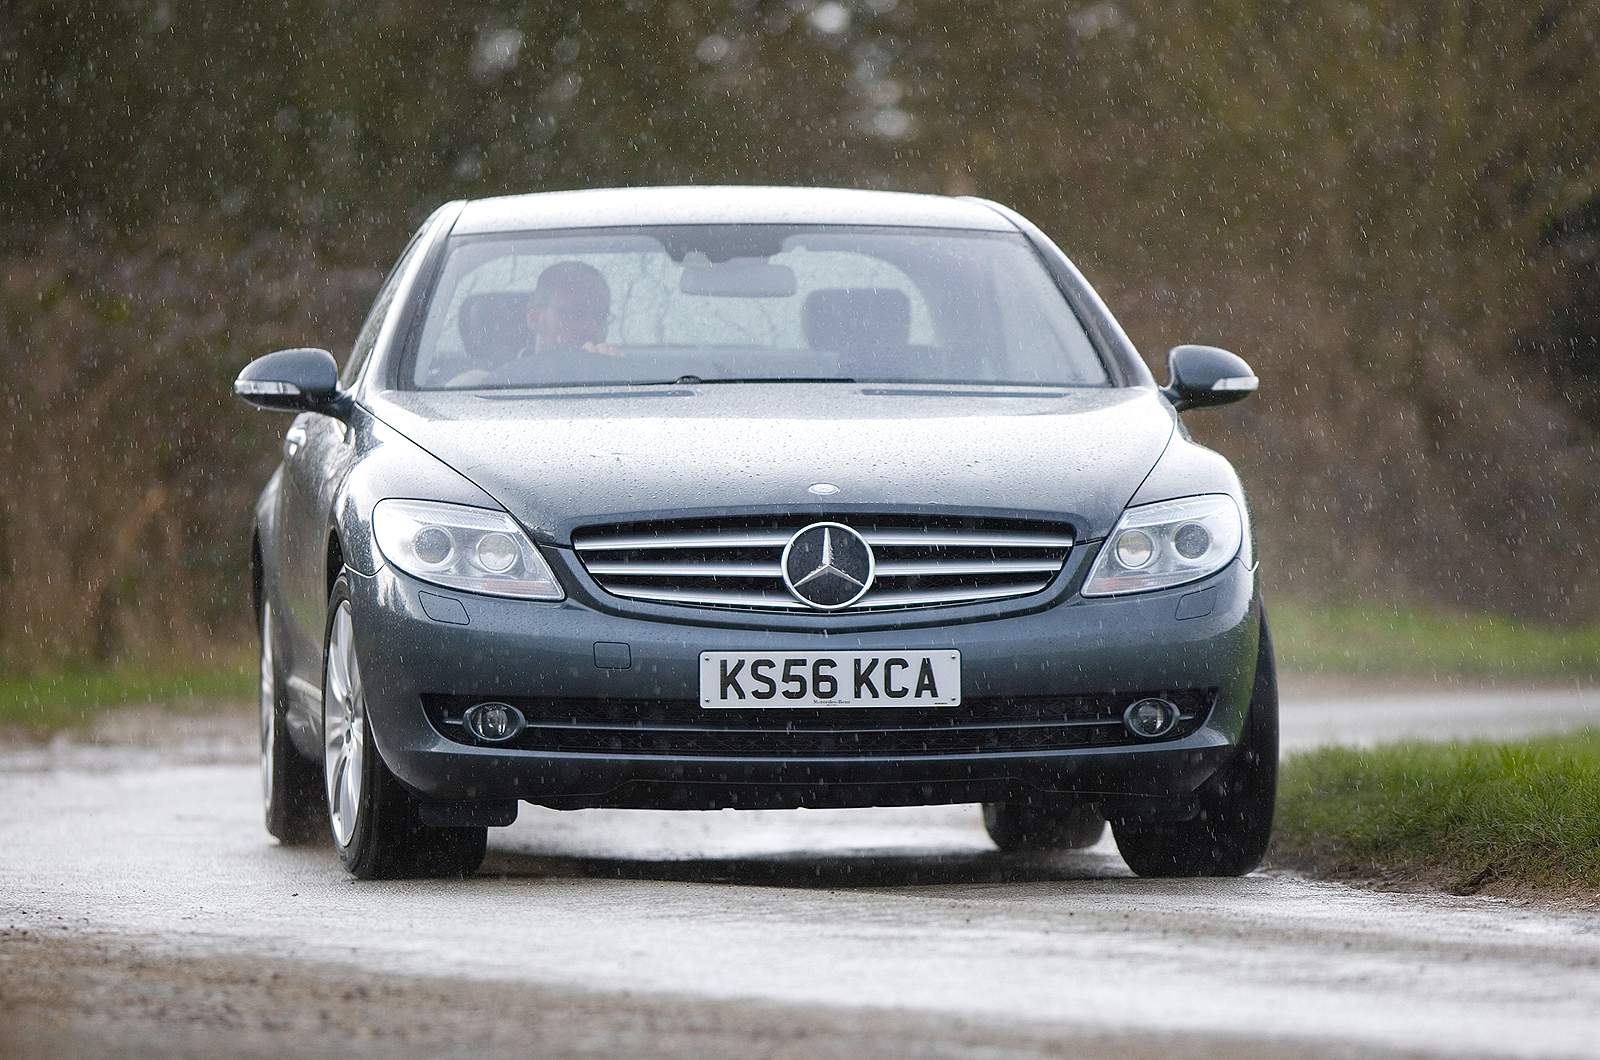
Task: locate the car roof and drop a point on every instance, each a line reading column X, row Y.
column 630, row 207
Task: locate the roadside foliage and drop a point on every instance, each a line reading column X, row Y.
column 1462, row 816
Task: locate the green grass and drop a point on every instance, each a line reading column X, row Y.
column 1457, row 816
column 1359, row 640
column 43, row 705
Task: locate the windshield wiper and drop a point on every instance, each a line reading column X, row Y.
column 686, row 380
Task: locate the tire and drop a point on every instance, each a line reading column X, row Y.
column 1052, row 825
column 375, row 822
column 291, row 788
column 1229, row 835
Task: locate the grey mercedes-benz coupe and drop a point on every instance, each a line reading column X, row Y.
column 755, row 497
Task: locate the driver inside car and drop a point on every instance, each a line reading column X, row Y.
column 569, row 311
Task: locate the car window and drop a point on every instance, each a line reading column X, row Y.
column 367, row 338
column 749, row 303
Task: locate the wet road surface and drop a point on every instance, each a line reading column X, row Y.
column 1321, row 712
column 129, row 875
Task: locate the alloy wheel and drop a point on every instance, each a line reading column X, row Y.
column 269, row 706
column 344, row 710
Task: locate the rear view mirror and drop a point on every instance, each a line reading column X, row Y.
column 301, row 380
column 1202, row 377
column 739, row 279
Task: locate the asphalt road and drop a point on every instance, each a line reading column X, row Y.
column 144, row 912
column 1324, row 712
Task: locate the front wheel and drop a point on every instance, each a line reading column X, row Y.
column 376, row 824
column 1229, row 835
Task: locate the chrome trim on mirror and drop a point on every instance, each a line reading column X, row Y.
column 1238, row 382
column 257, row 387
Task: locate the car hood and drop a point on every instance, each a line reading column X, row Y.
column 562, row 459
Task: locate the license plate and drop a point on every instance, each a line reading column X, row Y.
column 830, row 679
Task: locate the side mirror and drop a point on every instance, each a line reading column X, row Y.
column 1203, row 377
column 303, row 380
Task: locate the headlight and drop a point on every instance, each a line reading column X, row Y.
column 475, row 549
column 1159, row 545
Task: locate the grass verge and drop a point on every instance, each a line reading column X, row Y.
column 41, row 706
column 1353, row 639
column 1458, row 817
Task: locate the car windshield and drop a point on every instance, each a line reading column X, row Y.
column 745, row 303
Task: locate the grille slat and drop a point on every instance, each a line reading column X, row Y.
column 922, row 561
column 635, row 542
column 935, row 538
column 915, row 598
column 711, row 598
column 684, row 570
column 903, row 568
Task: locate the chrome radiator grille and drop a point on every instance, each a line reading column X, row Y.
column 920, row 561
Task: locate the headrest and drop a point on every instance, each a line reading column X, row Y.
column 493, row 326
column 853, row 318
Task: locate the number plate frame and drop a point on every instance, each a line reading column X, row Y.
column 738, row 680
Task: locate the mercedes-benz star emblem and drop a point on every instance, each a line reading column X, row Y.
column 828, row 566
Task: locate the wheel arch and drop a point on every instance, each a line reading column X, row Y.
column 257, row 578
column 335, row 562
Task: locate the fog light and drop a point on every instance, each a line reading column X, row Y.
column 494, row 722
column 1150, row 718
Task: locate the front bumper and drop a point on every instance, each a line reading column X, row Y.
column 526, row 651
